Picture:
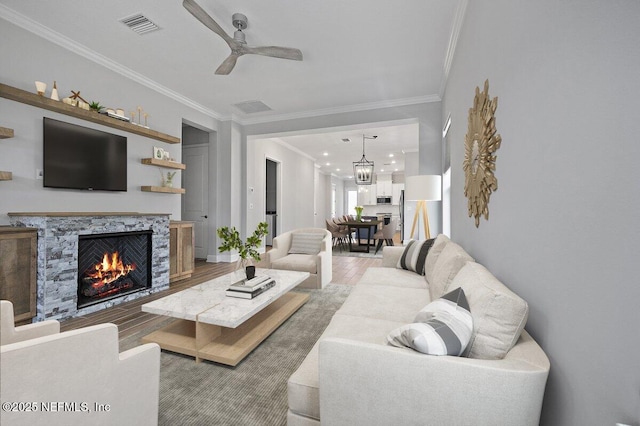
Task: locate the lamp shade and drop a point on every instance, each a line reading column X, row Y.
column 423, row 188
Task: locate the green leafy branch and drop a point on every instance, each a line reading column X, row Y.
column 231, row 241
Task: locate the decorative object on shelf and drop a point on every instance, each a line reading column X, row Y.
column 80, row 101
column 120, row 111
column 358, row 213
column 158, row 153
column 54, row 92
column 363, row 169
column 167, row 181
column 145, row 115
column 41, row 87
column 95, row 106
column 480, row 144
column 246, row 250
column 422, row 188
column 76, row 96
column 33, row 99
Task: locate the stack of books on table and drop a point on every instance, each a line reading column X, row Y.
column 248, row 289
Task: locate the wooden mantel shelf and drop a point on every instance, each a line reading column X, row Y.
column 5, row 133
column 81, row 214
column 34, row 99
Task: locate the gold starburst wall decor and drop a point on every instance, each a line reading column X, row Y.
column 480, row 144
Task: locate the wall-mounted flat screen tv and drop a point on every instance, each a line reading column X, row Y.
column 77, row 157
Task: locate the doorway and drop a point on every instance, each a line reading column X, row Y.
column 195, row 180
column 271, row 199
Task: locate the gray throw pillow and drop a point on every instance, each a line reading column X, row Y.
column 306, row 243
column 443, row 327
column 414, row 256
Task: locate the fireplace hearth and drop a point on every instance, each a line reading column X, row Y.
column 58, row 270
column 112, row 265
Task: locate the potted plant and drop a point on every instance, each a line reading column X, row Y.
column 95, row 106
column 246, row 250
column 359, row 213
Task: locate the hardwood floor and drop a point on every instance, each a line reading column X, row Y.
column 130, row 319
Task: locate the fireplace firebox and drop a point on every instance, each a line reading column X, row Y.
column 113, row 265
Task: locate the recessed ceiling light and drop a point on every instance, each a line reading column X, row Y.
column 328, row 164
column 325, row 153
column 390, row 155
column 382, row 170
column 393, row 162
column 395, row 170
column 337, row 170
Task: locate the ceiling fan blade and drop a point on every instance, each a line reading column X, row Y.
column 227, row 65
column 275, row 51
column 207, row 20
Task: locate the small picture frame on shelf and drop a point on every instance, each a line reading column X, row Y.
column 166, row 156
column 158, row 153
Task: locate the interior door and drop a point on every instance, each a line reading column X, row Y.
column 195, row 202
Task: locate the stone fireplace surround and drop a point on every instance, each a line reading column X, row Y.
column 57, row 275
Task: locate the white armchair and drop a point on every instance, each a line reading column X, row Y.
column 11, row 334
column 318, row 265
column 82, row 374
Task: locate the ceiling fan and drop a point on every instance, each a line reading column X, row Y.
column 238, row 44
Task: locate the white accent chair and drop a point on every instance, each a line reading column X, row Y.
column 9, row 333
column 66, row 374
column 318, row 265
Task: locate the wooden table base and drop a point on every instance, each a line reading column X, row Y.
column 226, row 345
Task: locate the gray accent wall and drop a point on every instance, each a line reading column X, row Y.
column 563, row 229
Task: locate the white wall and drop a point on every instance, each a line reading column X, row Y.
column 296, row 186
column 563, row 228
column 23, row 154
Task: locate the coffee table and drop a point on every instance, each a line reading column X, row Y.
column 220, row 328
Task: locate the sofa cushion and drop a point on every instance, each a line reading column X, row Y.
column 450, row 261
column 499, row 315
column 296, row 262
column 414, row 256
column 385, row 302
column 392, row 277
column 443, row 327
column 303, row 392
column 434, row 252
column 306, row 242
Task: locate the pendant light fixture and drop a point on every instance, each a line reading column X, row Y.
column 363, row 169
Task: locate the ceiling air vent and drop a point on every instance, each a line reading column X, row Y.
column 251, row 107
column 346, row 140
column 139, row 23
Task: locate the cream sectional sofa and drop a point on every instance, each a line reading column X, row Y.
column 352, row 376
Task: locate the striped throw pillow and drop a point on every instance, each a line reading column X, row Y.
column 443, row 327
column 306, row 243
column 414, row 255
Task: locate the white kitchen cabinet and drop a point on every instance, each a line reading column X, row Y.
column 367, row 195
column 384, row 188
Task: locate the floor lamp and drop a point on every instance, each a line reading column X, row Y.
column 422, row 188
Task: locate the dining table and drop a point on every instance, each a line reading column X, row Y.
column 369, row 225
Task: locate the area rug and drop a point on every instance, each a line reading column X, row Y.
column 255, row 391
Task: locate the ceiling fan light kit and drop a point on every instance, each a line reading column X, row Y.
column 237, row 43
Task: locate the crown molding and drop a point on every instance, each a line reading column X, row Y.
column 344, row 109
column 458, row 20
column 293, row 148
column 65, row 42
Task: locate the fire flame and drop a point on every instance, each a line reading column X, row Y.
column 110, row 269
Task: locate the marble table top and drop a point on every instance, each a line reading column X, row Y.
column 207, row 302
